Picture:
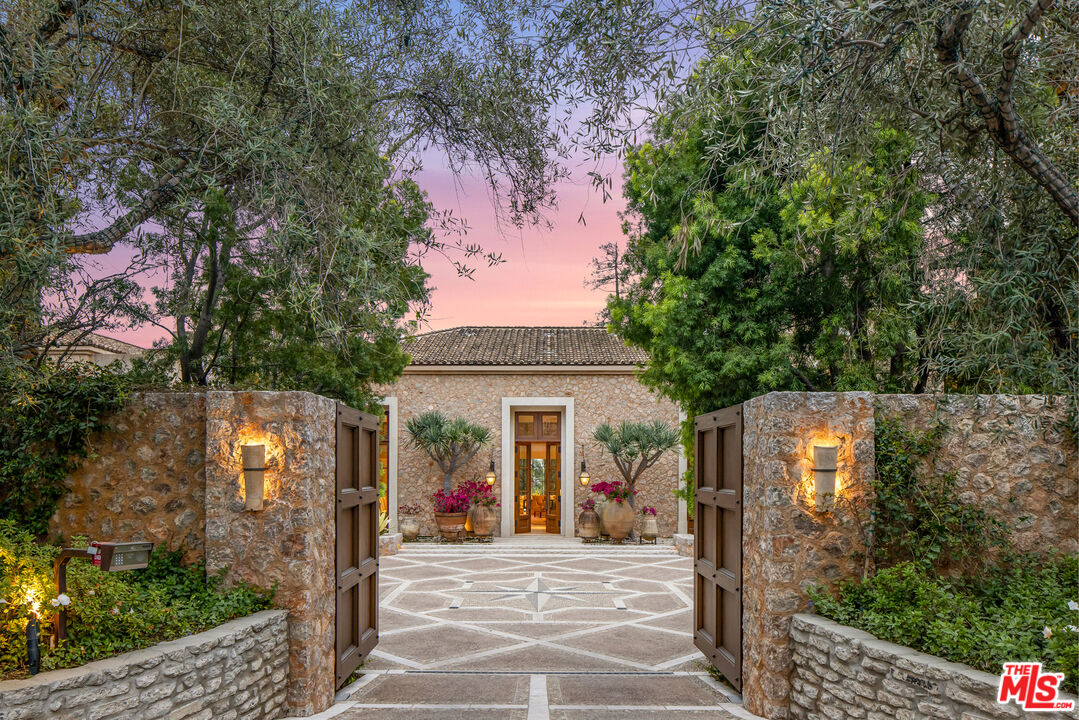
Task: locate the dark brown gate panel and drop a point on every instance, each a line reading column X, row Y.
column 357, row 539
column 717, row 542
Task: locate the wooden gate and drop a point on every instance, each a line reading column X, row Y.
column 356, row 566
column 717, row 541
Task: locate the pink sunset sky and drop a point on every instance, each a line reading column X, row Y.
column 541, row 281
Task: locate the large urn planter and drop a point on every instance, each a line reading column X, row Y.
column 600, row 504
column 588, row 524
column 409, row 526
column 649, row 528
column 484, row 518
column 451, row 526
column 618, row 520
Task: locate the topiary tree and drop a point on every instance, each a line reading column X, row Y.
column 635, row 447
column 450, row 443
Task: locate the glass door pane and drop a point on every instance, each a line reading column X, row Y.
column 554, row 488
column 523, row 494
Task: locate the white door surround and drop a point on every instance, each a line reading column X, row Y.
column 510, row 405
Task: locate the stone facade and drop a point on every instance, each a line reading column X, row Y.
column 1011, row 455
column 787, row 545
column 477, row 396
column 841, row 672
column 145, row 479
column 169, row 471
column 237, row 670
column 291, row 542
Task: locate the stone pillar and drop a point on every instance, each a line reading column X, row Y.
column 291, row 541
column 787, row 545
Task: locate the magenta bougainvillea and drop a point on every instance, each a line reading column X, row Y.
column 588, row 504
column 616, row 491
column 464, row 496
column 646, row 510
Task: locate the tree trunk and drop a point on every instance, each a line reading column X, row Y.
column 446, row 478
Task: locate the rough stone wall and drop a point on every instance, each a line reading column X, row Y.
column 1011, row 456
column 478, row 398
column 291, row 542
column 145, row 480
column 1009, row 453
column 841, row 672
column 237, row 670
column 788, row 545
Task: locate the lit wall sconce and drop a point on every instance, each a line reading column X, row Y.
column 254, row 461
column 491, row 477
column 585, row 477
column 825, row 458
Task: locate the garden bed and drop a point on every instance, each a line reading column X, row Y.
column 108, row 613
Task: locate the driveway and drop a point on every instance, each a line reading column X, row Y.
column 535, row 631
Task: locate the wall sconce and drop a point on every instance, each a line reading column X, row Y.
column 254, row 461
column 491, row 477
column 585, row 477
column 825, row 459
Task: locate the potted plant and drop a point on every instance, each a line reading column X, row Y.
column 451, row 509
column 649, row 524
column 599, row 502
column 618, row 512
column 635, row 447
column 451, row 444
column 482, row 514
column 588, row 520
column 408, row 520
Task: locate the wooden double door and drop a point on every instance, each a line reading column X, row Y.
column 538, row 473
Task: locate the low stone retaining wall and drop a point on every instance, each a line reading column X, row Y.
column 841, row 672
column 238, row 671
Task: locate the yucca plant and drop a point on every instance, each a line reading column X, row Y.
column 450, row 443
column 635, row 446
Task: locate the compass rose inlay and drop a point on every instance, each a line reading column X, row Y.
column 538, row 592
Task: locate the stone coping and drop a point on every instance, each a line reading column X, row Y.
column 199, row 642
column 901, row 657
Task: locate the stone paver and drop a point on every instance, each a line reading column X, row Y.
column 564, row 631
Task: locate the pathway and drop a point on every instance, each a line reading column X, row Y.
column 535, row 630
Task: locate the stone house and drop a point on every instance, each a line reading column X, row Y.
column 541, row 391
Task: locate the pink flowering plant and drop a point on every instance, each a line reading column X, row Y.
column 479, row 493
column 646, row 510
column 457, row 501
column 616, row 491
column 588, row 504
column 408, row 510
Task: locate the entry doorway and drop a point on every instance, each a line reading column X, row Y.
column 537, row 472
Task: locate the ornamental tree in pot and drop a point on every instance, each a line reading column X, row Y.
column 635, row 447
column 618, row 512
column 451, row 444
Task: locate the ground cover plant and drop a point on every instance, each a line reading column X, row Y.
column 943, row 578
column 108, row 613
column 1025, row 609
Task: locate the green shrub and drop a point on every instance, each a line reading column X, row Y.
column 109, row 613
column 46, row 419
column 919, row 517
column 984, row 621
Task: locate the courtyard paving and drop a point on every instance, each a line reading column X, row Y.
column 532, row 630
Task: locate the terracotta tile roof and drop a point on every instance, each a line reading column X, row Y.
column 101, row 342
column 522, row 346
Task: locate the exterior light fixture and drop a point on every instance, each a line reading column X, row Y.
column 584, row 477
column 491, row 477
column 106, row 556
column 33, row 645
column 824, row 468
column 254, row 461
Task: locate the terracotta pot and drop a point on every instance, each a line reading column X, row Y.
column 618, row 519
column 483, row 519
column 649, row 528
column 451, row 525
column 600, row 504
column 409, row 525
column 588, row 525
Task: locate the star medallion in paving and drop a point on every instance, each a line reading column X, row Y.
column 538, row 592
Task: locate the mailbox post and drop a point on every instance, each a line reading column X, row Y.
column 109, row 556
